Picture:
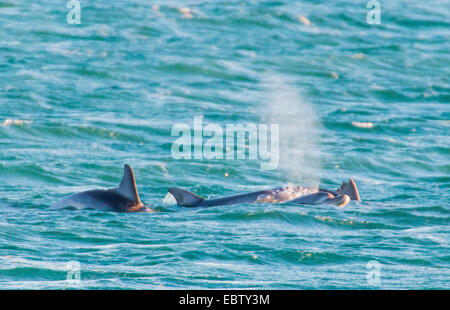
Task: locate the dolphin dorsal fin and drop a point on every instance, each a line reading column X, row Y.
column 185, row 198
column 349, row 188
column 127, row 187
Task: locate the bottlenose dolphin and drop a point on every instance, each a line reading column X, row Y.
column 296, row 195
column 124, row 198
column 340, row 197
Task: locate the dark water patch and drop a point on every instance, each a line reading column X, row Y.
column 5, row 5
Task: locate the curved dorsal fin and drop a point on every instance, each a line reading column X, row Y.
column 349, row 188
column 127, row 187
column 185, row 198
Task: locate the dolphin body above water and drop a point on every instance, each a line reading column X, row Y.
column 295, row 195
column 124, row 198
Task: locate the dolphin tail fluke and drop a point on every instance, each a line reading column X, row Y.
column 127, row 187
column 185, row 198
column 349, row 188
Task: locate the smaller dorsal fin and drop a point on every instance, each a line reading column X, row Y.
column 185, row 198
column 349, row 188
column 127, row 187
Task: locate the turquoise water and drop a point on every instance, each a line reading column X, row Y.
column 369, row 102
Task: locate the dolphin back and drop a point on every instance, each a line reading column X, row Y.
column 124, row 198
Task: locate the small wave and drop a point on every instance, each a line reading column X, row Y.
column 17, row 122
column 366, row 125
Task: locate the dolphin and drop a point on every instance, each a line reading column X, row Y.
column 124, row 198
column 340, row 197
column 293, row 195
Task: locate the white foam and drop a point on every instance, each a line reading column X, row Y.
column 169, row 199
column 9, row 122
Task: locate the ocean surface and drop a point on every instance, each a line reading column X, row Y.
column 352, row 99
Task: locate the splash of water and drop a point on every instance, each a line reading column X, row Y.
column 286, row 193
column 299, row 131
column 169, row 199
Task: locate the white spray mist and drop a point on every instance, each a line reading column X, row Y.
column 299, row 131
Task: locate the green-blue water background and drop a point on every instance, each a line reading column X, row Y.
column 79, row 101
